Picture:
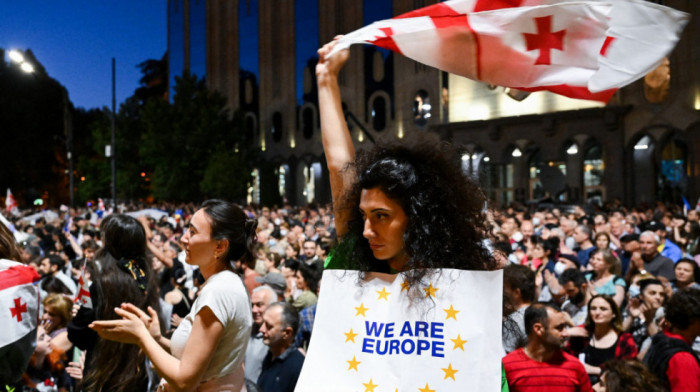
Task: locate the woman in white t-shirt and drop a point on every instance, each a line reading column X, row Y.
column 206, row 351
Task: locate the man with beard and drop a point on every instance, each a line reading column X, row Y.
column 542, row 365
column 575, row 285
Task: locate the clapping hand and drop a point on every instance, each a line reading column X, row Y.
column 132, row 328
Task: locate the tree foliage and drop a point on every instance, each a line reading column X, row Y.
column 193, row 147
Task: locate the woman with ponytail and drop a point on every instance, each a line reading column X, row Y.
column 125, row 277
column 206, row 351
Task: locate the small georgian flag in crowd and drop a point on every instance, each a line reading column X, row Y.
column 19, row 301
column 442, row 334
column 83, row 297
column 10, row 203
column 583, row 49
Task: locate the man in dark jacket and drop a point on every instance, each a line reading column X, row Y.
column 671, row 356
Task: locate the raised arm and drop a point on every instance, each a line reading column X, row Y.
column 337, row 142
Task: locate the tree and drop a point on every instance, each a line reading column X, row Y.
column 192, row 147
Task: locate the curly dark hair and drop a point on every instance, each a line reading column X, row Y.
column 683, row 308
column 630, row 376
column 446, row 221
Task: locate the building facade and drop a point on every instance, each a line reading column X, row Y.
column 261, row 54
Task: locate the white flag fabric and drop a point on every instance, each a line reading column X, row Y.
column 83, row 296
column 373, row 337
column 580, row 49
column 19, row 304
column 10, row 203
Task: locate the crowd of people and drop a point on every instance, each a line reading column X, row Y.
column 219, row 297
column 568, row 295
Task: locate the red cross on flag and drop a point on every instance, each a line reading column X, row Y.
column 83, row 297
column 584, row 49
column 19, row 306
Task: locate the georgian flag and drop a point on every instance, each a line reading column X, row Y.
column 19, row 307
column 583, row 50
column 18, row 300
column 83, row 297
column 10, row 203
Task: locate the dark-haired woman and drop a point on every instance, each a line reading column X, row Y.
column 307, row 279
column 125, row 277
column 207, row 349
column 686, row 271
column 605, row 339
column 402, row 206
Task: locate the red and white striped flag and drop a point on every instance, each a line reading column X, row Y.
column 10, row 203
column 583, row 50
column 19, row 307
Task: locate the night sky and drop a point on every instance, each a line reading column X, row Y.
column 75, row 40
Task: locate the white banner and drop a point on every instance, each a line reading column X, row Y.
column 376, row 337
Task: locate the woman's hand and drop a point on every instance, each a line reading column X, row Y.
column 175, row 321
column 75, row 369
column 635, row 307
column 327, row 69
column 130, row 329
column 150, row 320
column 48, row 326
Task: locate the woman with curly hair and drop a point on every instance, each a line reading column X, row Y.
column 403, row 206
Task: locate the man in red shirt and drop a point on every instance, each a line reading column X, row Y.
column 542, row 366
column 671, row 356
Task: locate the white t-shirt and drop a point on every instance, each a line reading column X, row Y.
column 226, row 296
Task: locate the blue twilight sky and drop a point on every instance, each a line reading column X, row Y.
column 75, row 40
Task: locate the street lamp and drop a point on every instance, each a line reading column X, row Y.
column 17, row 57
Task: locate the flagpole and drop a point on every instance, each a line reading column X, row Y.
column 114, row 143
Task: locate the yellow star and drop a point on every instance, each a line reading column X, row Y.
column 426, row 389
column 451, row 312
column 430, row 291
column 369, row 387
column 383, row 294
column 449, row 372
column 361, row 310
column 350, row 336
column 459, row 343
column 405, row 286
column 354, row 362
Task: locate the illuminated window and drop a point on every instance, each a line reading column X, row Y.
column 497, row 182
column 673, row 177
column 421, row 108
column 254, row 187
column 593, row 173
column 282, row 180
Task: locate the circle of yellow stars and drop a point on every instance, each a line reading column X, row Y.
column 450, row 313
